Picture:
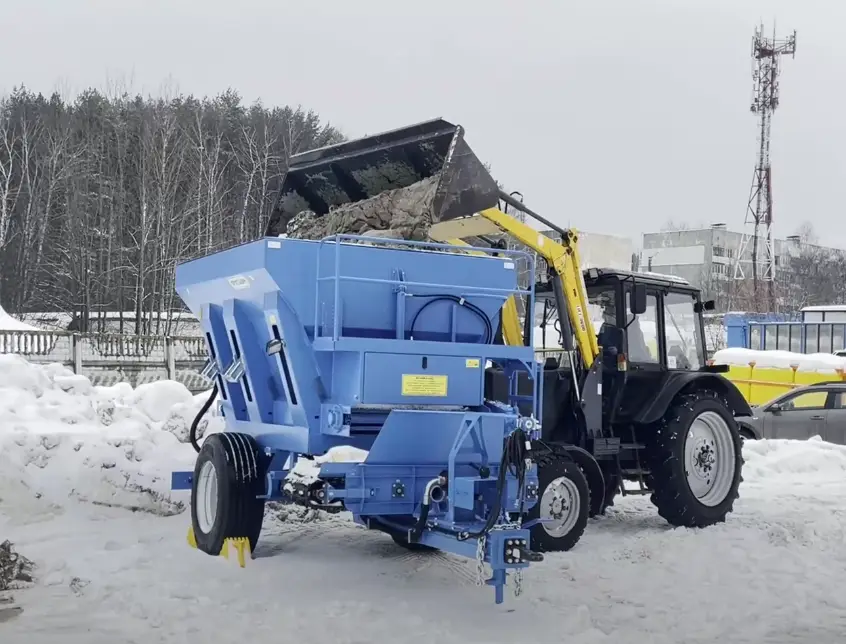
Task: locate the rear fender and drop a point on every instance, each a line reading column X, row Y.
column 683, row 381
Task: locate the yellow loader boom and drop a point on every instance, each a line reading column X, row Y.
column 562, row 258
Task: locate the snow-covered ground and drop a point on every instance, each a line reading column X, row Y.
column 84, row 479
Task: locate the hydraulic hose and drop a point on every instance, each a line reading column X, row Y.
column 420, row 524
column 192, row 433
column 489, row 331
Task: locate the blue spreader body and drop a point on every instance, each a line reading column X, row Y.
column 381, row 345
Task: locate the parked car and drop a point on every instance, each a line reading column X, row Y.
column 840, row 353
column 811, row 410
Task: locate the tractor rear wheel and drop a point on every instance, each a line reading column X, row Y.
column 228, row 478
column 564, row 498
column 696, row 461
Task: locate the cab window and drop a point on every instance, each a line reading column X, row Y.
column 682, row 332
column 641, row 332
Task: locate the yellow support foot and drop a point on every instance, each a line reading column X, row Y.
column 241, row 545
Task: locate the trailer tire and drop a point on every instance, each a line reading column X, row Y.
column 696, row 461
column 228, row 478
column 563, row 489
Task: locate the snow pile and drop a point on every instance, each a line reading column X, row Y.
column 61, row 437
column 404, row 213
column 810, row 462
column 811, row 362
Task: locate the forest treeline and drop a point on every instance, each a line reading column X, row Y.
column 101, row 196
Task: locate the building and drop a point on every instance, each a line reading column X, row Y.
column 599, row 250
column 708, row 255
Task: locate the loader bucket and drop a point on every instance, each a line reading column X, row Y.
column 327, row 178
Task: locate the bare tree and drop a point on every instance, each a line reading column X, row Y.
column 101, row 197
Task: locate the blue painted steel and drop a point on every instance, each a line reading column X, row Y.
column 383, row 346
column 181, row 480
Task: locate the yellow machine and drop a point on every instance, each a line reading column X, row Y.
column 562, row 258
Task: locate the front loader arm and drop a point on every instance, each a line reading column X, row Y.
column 564, row 260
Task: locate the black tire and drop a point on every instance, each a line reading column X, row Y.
column 672, row 495
column 612, row 489
column 551, row 470
column 239, row 466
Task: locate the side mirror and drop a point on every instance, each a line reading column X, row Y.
column 637, row 299
column 775, row 408
column 704, row 306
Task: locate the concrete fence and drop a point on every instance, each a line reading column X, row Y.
column 107, row 359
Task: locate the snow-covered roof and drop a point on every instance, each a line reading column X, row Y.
column 8, row 323
column 664, row 276
column 823, row 308
column 814, row 362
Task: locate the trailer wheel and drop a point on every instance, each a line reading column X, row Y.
column 228, row 476
column 696, row 461
column 564, row 497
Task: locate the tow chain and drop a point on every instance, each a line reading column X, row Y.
column 480, row 560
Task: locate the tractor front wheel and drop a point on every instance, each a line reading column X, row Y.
column 564, row 501
column 695, row 458
column 228, row 478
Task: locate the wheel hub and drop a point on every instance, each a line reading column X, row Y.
column 560, row 505
column 206, row 500
column 709, row 458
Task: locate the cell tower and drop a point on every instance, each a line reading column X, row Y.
column 766, row 59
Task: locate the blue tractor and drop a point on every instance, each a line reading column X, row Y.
column 384, row 345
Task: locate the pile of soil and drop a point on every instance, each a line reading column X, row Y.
column 404, row 213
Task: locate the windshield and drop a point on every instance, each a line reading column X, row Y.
column 547, row 331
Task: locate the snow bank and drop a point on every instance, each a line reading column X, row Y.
column 811, row 362
column 810, row 462
column 61, row 437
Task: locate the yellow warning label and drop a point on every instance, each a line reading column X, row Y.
column 472, row 363
column 414, row 385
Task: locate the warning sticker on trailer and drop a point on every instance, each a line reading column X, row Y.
column 472, row 363
column 416, row 385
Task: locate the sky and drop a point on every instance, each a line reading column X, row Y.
column 615, row 117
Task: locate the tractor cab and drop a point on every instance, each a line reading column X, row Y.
column 649, row 321
column 649, row 328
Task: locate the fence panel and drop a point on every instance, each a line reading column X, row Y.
column 110, row 358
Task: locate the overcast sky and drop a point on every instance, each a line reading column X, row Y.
column 612, row 116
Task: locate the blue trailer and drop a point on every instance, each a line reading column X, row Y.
column 391, row 346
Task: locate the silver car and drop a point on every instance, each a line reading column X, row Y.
column 812, row 410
